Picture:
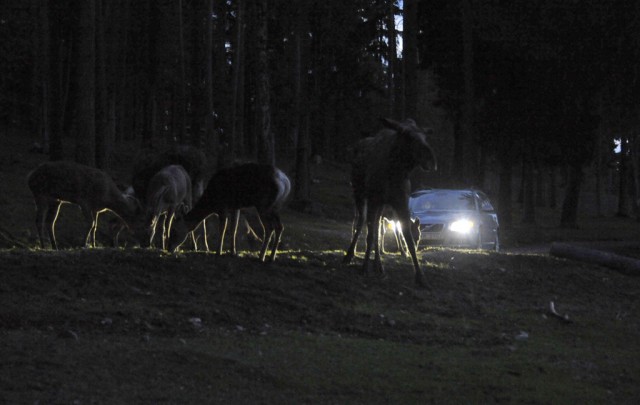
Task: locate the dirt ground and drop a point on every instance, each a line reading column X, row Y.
column 129, row 325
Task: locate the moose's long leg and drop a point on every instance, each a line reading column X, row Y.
column 358, row 222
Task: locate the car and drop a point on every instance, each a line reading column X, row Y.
column 456, row 217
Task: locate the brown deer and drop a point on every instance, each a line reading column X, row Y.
column 264, row 187
column 53, row 183
column 380, row 177
column 168, row 192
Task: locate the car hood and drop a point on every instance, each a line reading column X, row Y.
column 443, row 216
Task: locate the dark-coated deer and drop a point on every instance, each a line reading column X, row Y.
column 380, row 176
column 53, row 183
column 168, row 192
column 264, row 187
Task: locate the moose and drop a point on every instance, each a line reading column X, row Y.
column 262, row 186
column 168, row 193
column 388, row 217
column 380, row 177
column 53, row 183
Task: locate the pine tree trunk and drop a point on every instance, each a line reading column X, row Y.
column 182, row 83
column 102, row 140
column 86, row 128
column 410, row 58
column 300, row 131
column 238, row 85
column 392, row 58
column 266, row 153
column 569, row 215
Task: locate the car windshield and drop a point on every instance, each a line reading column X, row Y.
column 443, row 200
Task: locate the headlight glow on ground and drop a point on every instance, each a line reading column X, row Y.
column 461, row 226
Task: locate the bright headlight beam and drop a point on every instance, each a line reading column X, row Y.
column 461, row 226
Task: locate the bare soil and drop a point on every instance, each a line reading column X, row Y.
column 128, row 325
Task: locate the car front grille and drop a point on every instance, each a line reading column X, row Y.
column 431, row 227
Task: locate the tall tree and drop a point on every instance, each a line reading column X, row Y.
column 86, row 122
column 266, row 151
column 300, row 131
column 410, row 58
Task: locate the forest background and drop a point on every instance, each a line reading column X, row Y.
column 527, row 99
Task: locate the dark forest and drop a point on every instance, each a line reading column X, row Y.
column 529, row 93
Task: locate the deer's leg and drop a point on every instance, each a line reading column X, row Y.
column 278, row 236
column 171, row 214
column 400, row 241
column 204, row 234
column 236, row 220
column 267, row 222
column 90, row 215
column 49, row 215
column 42, row 208
column 222, row 228
column 276, row 230
column 358, row 221
column 154, row 224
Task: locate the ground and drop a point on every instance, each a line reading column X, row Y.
column 129, row 325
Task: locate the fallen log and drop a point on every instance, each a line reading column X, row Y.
column 622, row 264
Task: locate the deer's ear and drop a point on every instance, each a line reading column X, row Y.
column 391, row 124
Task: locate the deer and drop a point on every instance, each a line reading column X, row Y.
column 168, row 194
column 54, row 183
column 380, row 177
column 262, row 186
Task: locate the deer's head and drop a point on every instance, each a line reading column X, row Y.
column 415, row 141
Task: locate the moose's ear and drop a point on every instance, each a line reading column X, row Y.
column 391, row 124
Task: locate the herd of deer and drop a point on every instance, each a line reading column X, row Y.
column 173, row 189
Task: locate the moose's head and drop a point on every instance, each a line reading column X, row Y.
column 414, row 140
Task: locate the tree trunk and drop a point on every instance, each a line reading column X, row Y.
column 103, row 148
column 529, row 207
column 181, row 132
column 470, row 151
column 410, row 58
column 266, row 152
column 551, row 188
column 44, row 74
column 237, row 142
column 86, row 127
column 623, row 264
column 504, row 199
column 302, row 193
column 392, row 58
column 210, row 133
column 569, row 215
column 623, row 188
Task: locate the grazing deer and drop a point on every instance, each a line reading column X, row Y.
column 53, row 183
column 264, row 187
column 168, row 193
column 380, row 176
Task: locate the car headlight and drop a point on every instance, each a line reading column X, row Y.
column 393, row 225
column 461, row 226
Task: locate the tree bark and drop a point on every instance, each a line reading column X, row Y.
column 410, row 58
column 392, row 58
column 181, row 132
column 86, row 126
column 623, row 264
column 266, row 152
column 302, row 193
column 237, row 142
column 569, row 215
column 103, row 148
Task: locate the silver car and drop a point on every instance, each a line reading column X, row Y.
column 463, row 218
